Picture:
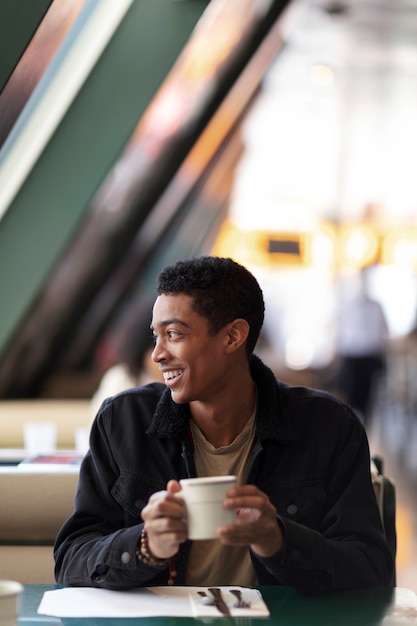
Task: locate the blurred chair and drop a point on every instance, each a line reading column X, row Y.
column 35, row 502
column 386, row 497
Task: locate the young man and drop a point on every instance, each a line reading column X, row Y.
column 307, row 516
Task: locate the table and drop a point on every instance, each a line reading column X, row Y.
column 359, row 607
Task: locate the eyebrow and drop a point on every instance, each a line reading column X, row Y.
column 173, row 320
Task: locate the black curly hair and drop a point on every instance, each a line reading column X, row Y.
column 221, row 291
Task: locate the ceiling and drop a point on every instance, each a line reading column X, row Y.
column 331, row 137
column 332, row 141
column 108, row 169
column 334, row 133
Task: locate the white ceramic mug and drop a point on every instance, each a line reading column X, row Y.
column 39, row 437
column 203, row 498
column 10, row 591
column 82, row 440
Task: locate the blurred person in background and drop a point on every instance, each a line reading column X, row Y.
column 362, row 334
column 134, row 365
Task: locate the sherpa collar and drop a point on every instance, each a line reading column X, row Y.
column 272, row 418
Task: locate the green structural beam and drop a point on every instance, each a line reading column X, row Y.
column 46, row 209
column 19, row 20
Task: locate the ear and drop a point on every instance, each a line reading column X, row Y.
column 237, row 333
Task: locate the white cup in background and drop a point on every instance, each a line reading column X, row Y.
column 82, row 440
column 10, row 591
column 203, row 498
column 39, row 437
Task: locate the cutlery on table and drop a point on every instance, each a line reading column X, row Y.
column 240, row 604
column 205, row 599
column 218, row 600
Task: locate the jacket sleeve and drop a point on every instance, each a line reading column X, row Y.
column 347, row 546
column 97, row 545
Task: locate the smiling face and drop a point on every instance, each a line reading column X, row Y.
column 192, row 360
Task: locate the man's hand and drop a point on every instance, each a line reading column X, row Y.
column 256, row 521
column 164, row 518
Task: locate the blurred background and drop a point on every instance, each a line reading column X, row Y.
column 280, row 133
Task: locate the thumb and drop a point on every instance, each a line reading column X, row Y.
column 173, row 486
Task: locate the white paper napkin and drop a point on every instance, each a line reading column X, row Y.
column 138, row 602
column 144, row 602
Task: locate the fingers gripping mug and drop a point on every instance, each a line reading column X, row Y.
column 203, row 498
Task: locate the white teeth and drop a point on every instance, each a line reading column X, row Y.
column 171, row 374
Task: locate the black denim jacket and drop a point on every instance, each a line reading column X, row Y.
column 310, row 456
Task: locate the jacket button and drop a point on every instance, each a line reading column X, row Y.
column 125, row 558
column 295, row 556
column 292, row 509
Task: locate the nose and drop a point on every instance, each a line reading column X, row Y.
column 158, row 351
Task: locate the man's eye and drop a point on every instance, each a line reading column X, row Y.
column 172, row 334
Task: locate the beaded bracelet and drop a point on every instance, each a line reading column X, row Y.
column 145, row 556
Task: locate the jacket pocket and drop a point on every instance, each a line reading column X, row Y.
column 300, row 501
column 132, row 491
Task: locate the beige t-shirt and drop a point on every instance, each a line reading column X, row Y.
column 210, row 562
